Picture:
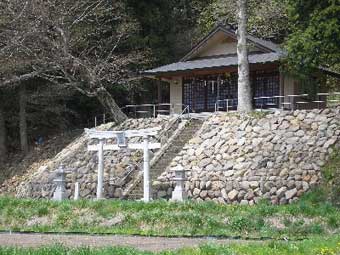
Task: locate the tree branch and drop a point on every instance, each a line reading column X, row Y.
column 20, row 78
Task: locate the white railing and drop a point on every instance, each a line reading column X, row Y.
column 144, row 110
column 229, row 103
column 151, row 110
column 185, row 111
column 288, row 102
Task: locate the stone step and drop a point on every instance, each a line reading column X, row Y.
column 157, row 167
column 157, row 170
column 160, row 166
column 168, row 156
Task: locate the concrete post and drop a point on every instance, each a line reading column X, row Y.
column 146, row 168
column 100, row 169
column 60, row 191
column 179, row 194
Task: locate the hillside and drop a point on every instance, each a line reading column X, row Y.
column 37, row 181
column 19, row 166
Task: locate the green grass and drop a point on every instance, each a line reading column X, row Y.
column 318, row 246
column 311, row 216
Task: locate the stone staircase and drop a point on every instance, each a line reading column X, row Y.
column 191, row 127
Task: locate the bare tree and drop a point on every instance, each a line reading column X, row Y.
column 69, row 43
column 244, row 89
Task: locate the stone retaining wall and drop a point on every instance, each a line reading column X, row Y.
column 83, row 165
column 242, row 159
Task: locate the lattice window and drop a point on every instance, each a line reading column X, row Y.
column 188, row 96
column 200, row 94
column 228, row 88
column 212, row 91
column 266, row 84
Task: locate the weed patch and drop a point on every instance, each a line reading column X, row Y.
column 311, row 216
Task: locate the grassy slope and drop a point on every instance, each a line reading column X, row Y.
column 330, row 246
column 311, row 216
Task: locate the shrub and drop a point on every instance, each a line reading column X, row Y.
column 240, row 223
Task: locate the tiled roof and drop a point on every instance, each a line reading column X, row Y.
column 213, row 63
column 268, row 44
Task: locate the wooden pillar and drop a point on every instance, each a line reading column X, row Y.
column 253, row 84
column 282, row 88
column 159, row 91
column 206, row 91
column 193, row 87
column 218, row 86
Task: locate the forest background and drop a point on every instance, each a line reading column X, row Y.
column 63, row 62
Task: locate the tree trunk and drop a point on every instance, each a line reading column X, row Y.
column 106, row 100
column 3, row 148
column 244, row 89
column 22, row 118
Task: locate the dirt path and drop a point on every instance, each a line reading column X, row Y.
column 153, row 244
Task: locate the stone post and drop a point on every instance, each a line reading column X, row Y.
column 100, row 169
column 60, row 191
column 76, row 191
column 146, row 168
column 179, row 194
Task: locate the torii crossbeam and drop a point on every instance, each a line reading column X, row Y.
column 122, row 142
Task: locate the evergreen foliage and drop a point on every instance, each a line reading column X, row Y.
column 150, row 33
column 315, row 37
column 267, row 18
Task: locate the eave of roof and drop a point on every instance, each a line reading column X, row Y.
column 330, row 72
column 210, row 63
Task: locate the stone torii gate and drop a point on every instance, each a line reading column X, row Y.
column 122, row 143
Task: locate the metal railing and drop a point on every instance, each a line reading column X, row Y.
column 287, row 102
column 164, row 135
column 150, row 110
column 185, row 112
column 103, row 117
column 143, row 111
column 228, row 104
column 119, row 181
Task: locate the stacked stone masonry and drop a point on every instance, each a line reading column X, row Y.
column 241, row 159
column 82, row 165
column 233, row 158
